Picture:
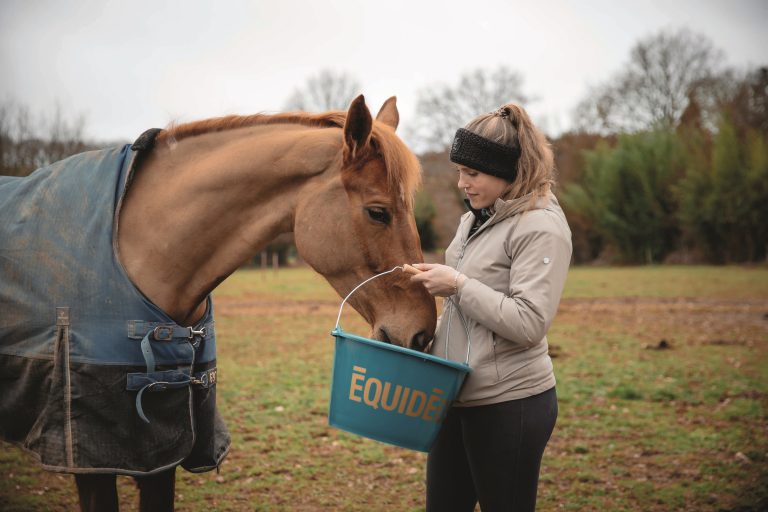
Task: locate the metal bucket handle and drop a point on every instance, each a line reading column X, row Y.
column 408, row 268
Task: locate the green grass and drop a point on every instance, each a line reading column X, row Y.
column 668, row 281
column 640, row 429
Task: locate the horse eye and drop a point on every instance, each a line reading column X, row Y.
column 378, row 214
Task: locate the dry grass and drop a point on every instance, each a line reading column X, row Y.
column 642, row 427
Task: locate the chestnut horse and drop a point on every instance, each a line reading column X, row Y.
column 210, row 195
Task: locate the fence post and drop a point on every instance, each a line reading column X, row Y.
column 263, row 265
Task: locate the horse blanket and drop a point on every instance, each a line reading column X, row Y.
column 94, row 378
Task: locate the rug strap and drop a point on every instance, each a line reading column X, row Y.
column 167, row 379
column 154, row 331
column 146, row 351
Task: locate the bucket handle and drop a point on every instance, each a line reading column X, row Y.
column 410, row 270
column 338, row 318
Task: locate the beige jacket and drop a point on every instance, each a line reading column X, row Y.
column 516, row 264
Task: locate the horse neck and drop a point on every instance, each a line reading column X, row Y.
column 197, row 211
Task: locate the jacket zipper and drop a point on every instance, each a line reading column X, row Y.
column 452, row 304
column 450, row 301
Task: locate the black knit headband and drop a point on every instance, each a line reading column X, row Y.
column 484, row 155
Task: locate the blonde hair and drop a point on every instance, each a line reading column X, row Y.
column 511, row 125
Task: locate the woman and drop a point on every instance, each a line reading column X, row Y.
column 504, row 274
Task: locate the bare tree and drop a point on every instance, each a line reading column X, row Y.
column 664, row 72
column 26, row 143
column 19, row 146
column 6, row 142
column 328, row 90
column 440, row 110
column 749, row 103
column 63, row 137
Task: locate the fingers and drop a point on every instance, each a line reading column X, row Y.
column 437, row 279
column 410, row 269
column 418, row 271
column 428, row 271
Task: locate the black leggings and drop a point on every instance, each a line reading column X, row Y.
column 490, row 453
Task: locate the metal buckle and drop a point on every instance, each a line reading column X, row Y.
column 163, row 333
column 207, row 378
column 202, row 381
column 193, row 332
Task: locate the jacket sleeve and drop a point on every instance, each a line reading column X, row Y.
column 539, row 265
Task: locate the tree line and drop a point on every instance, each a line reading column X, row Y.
column 680, row 194
column 679, row 169
column 29, row 140
column 667, row 159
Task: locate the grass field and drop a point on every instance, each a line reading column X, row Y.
column 641, row 427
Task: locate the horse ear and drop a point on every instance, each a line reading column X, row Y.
column 357, row 128
column 388, row 113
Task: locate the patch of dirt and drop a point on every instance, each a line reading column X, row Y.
column 662, row 323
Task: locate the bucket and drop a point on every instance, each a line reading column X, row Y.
column 388, row 393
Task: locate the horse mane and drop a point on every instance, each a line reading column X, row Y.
column 403, row 168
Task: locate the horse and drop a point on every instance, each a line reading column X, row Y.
column 193, row 203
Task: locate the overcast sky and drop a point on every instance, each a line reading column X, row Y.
column 130, row 65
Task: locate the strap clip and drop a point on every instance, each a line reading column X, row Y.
column 193, row 332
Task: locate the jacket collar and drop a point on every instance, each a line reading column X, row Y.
column 483, row 213
column 505, row 208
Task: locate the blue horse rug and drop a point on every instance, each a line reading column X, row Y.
column 94, row 378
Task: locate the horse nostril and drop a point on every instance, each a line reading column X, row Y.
column 420, row 341
column 383, row 336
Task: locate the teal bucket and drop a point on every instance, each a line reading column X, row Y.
column 389, row 393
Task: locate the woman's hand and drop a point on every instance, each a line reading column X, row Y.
column 439, row 280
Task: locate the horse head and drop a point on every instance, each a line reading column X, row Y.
column 360, row 222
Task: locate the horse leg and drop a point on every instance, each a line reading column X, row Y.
column 97, row 493
column 157, row 492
